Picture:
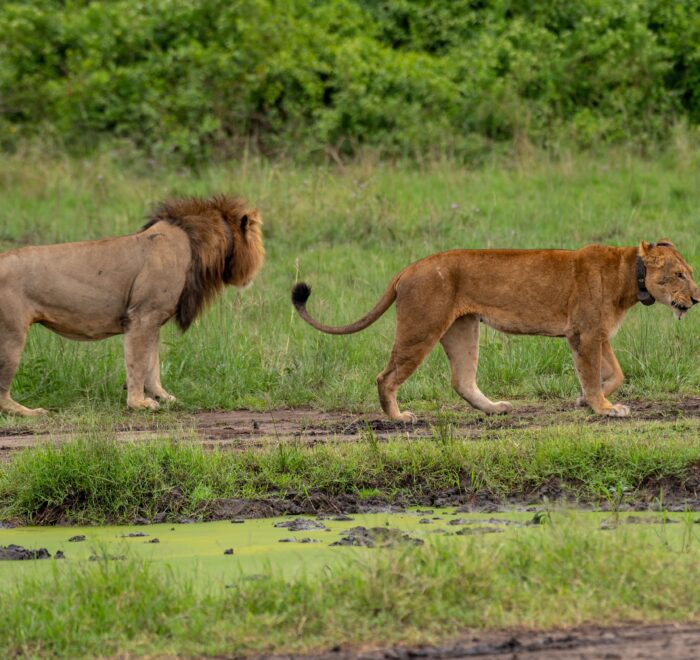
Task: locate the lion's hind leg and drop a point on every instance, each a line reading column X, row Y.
column 12, row 337
column 461, row 343
column 14, row 325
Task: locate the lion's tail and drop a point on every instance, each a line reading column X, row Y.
column 302, row 291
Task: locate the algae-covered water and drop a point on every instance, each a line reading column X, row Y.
column 258, row 545
column 262, row 546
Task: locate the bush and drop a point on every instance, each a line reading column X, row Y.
column 193, row 78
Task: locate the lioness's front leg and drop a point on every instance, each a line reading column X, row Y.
column 587, row 350
column 461, row 343
column 140, row 340
column 611, row 373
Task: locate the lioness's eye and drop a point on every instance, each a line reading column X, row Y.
column 681, row 276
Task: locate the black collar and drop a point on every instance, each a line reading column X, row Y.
column 643, row 294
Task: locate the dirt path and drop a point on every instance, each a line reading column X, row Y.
column 646, row 641
column 245, row 428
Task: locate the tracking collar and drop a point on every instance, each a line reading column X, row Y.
column 643, row 294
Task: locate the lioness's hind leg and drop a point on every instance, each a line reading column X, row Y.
column 152, row 381
column 461, row 343
column 405, row 358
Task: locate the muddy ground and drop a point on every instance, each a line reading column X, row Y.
column 624, row 643
column 242, row 429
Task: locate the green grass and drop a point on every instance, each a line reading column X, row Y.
column 93, row 481
column 563, row 574
column 347, row 232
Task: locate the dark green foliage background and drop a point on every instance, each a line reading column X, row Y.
column 198, row 78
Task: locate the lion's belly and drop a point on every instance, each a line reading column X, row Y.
column 88, row 331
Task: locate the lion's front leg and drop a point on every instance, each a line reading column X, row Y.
column 587, row 350
column 13, row 332
column 140, row 342
column 152, row 382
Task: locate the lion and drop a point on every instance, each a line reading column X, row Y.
column 582, row 295
column 172, row 268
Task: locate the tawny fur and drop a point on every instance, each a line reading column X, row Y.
column 184, row 255
column 582, row 295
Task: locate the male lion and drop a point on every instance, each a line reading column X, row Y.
column 182, row 257
column 582, row 295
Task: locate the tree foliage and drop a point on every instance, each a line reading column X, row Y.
column 407, row 77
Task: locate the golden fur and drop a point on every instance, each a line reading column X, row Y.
column 582, row 295
column 184, row 255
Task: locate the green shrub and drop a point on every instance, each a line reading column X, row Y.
column 192, row 78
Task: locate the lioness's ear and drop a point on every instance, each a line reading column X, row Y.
column 664, row 242
column 244, row 222
column 644, row 248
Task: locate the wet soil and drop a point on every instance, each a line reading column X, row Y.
column 14, row 552
column 670, row 642
column 242, row 429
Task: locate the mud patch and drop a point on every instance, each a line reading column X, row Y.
column 14, row 552
column 671, row 642
column 301, row 525
column 614, row 523
column 376, row 537
column 243, row 429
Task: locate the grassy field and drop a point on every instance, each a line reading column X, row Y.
column 347, row 231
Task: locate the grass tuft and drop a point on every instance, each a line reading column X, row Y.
column 97, row 480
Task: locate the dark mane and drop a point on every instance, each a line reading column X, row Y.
column 213, row 228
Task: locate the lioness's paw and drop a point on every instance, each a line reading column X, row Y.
column 166, row 396
column 618, row 410
column 406, row 417
column 144, row 404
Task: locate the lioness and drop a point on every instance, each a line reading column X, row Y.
column 582, row 295
column 182, row 257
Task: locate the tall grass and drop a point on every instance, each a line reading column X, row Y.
column 561, row 574
column 93, row 481
column 347, row 232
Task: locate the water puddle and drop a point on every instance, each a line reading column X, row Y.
column 287, row 546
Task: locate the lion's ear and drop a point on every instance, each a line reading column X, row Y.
column 664, row 242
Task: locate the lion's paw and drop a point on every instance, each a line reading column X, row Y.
column 618, row 410
column 34, row 412
column 166, row 396
column 144, row 404
column 581, row 401
column 502, row 407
